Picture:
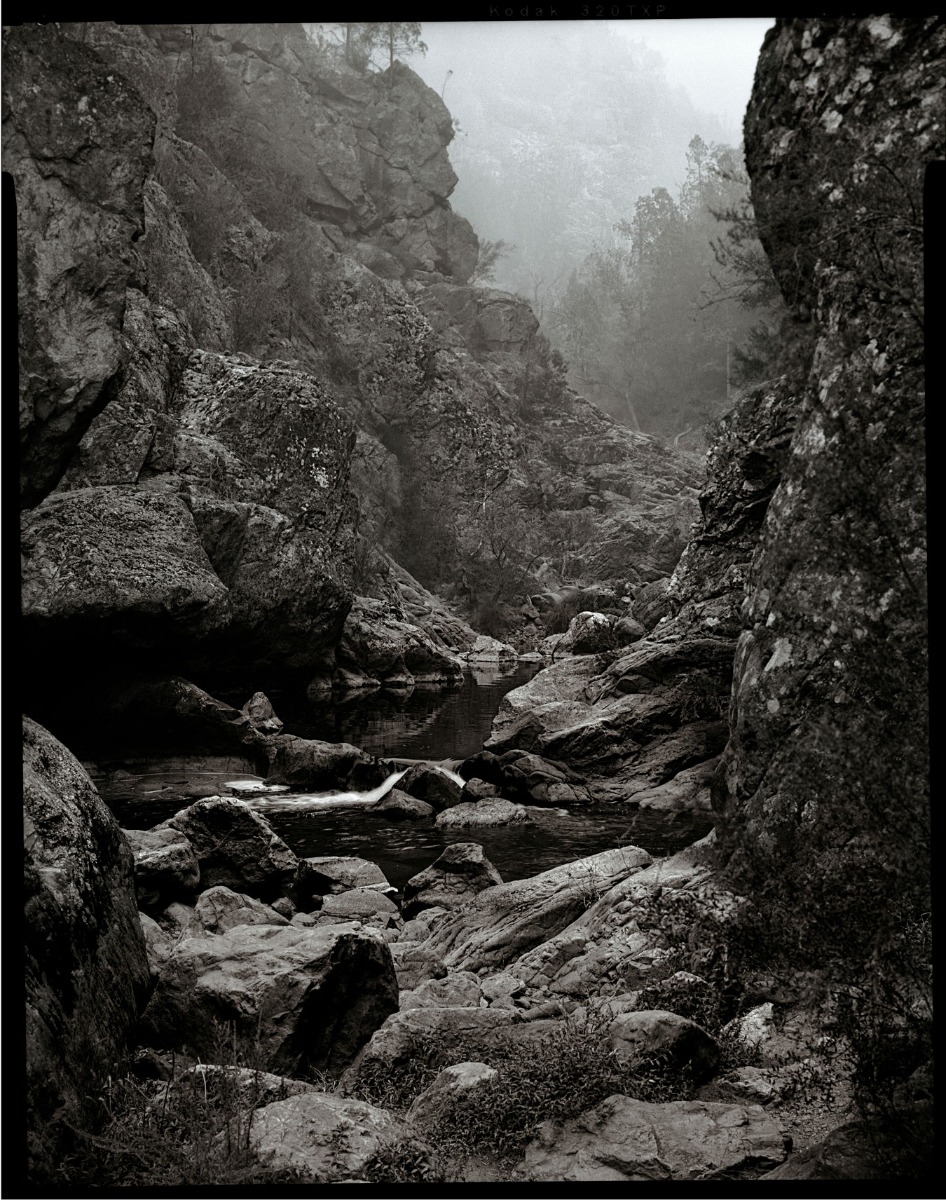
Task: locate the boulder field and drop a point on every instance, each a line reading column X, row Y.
column 219, row 942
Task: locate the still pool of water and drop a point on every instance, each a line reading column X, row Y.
column 402, row 848
column 431, row 725
column 428, row 723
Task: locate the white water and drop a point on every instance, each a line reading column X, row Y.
column 259, row 796
column 318, row 800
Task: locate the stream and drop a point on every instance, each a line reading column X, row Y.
column 434, row 725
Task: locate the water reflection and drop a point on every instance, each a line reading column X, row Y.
column 427, row 723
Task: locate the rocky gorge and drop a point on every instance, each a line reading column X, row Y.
column 273, row 437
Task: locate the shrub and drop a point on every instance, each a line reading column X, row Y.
column 557, row 1077
column 190, row 1131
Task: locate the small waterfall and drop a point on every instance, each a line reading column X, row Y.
column 269, row 801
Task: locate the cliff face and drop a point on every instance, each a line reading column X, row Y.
column 279, row 372
column 79, row 145
column 827, row 764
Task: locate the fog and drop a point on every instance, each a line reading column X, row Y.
column 712, row 59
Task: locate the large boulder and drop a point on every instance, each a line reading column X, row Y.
column 360, row 904
column 381, row 648
column 220, row 909
column 831, row 670
column 502, row 922
column 166, row 867
column 399, row 806
column 491, row 811
column 236, row 847
column 103, row 563
column 587, row 633
column 331, row 1138
column 431, row 784
column 259, row 712
column 452, row 881
column 316, row 766
column 622, row 1139
column 619, row 942
column 86, row 964
column 306, row 998
column 637, row 1036
column 328, row 875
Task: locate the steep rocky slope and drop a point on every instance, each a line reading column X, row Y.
column 799, row 935
column 810, row 565
column 276, row 376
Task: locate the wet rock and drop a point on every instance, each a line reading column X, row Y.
column 450, row 1088
column 431, row 785
column 475, row 790
column 166, row 867
column 489, row 649
column 219, row 909
column 308, row 998
column 625, row 1139
column 452, row 881
column 492, row 811
column 531, row 779
column 260, row 714
column 328, row 1137
column 173, row 716
column 311, row 765
column 637, row 1035
column 236, row 848
column 86, row 964
column 398, row 806
column 385, row 649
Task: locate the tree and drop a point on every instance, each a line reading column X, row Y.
column 654, row 327
column 487, row 257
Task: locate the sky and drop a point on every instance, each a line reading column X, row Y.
column 712, row 58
